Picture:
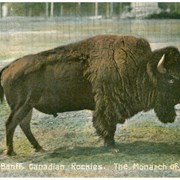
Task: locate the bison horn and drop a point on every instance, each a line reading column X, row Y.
column 160, row 66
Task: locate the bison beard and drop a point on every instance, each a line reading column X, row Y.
column 164, row 108
column 116, row 76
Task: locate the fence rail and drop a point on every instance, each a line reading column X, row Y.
column 25, row 35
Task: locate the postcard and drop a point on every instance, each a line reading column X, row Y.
column 89, row 89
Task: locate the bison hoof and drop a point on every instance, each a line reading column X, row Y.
column 109, row 143
column 41, row 150
column 10, row 153
column 114, row 150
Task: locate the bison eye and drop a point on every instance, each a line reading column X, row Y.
column 171, row 81
column 174, row 77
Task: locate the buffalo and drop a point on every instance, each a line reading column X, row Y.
column 114, row 76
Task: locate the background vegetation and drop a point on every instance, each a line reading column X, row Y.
column 82, row 9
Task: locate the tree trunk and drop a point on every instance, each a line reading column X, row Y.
column 52, row 9
column 0, row 10
column 47, row 9
column 96, row 9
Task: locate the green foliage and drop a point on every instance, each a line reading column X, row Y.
column 82, row 9
column 173, row 7
column 26, row 9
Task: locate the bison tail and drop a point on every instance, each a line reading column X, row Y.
column 1, row 90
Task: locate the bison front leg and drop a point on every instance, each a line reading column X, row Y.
column 105, row 116
column 105, row 130
column 109, row 139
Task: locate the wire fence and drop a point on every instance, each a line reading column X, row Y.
column 20, row 35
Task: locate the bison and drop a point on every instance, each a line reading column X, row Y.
column 115, row 76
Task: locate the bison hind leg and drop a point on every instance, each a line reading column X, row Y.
column 15, row 117
column 25, row 126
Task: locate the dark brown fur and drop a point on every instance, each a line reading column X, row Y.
column 116, row 76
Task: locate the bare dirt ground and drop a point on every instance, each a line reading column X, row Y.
column 147, row 148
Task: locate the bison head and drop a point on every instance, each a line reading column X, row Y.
column 167, row 74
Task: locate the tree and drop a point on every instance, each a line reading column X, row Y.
column 0, row 10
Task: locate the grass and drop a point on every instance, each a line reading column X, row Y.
column 70, row 138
